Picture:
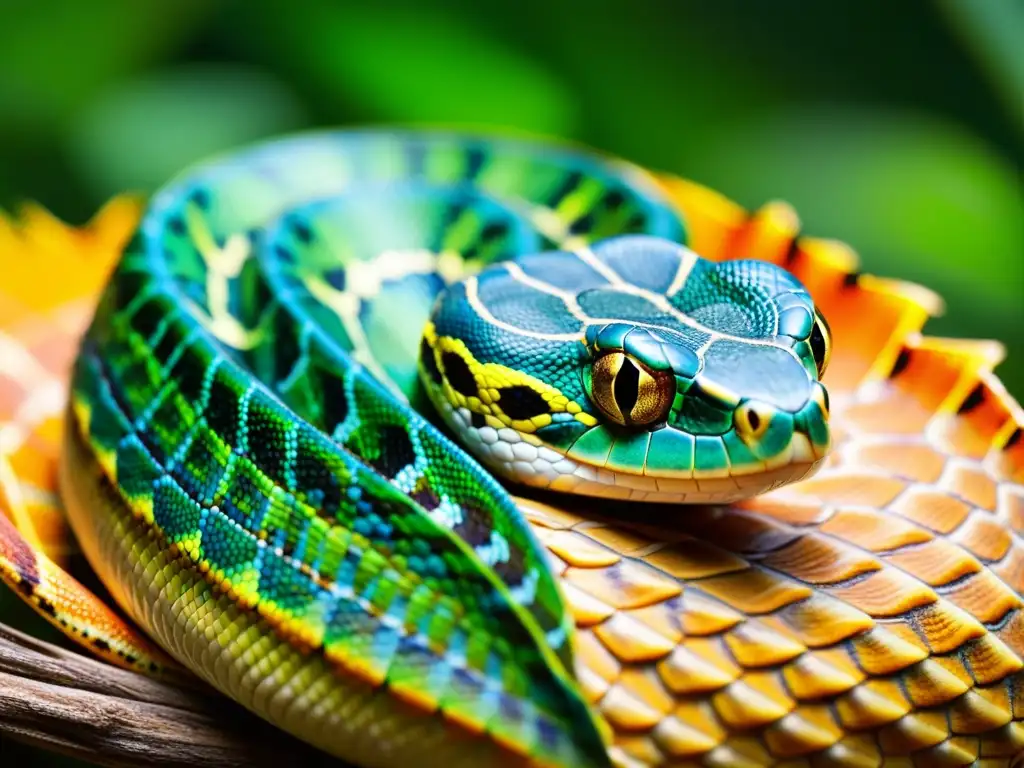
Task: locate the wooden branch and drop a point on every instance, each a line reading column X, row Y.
column 61, row 701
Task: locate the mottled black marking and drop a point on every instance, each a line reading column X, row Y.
column 396, row 450
column 475, row 159
column 313, row 473
column 336, row 278
column 332, row 395
column 569, row 184
column 626, row 388
column 283, row 254
column 1015, row 437
column 429, row 362
column 851, row 279
column 201, row 197
column 176, row 225
column 902, row 361
column 222, row 412
column 583, row 224
column 973, row 400
column 494, row 230
column 46, row 606
column 101, row 645
column 301, row 230
column 521, row 402
column 285, row 350
column 265, row 438
column 614, row 199
column 458, row 374
column 148, row 316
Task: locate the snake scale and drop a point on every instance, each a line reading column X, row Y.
column 323, row 366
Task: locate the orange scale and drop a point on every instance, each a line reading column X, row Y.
column 850, row 487
column 914, row 461
column 821, row 674
column 755, row 591
column 694, row 559
column 808, row 730
column 980, row 710
column 757, row 699
column 886, row 593
column 971, row 483
column 932, row 509
column 874, row 531
column 1011, row 568
column 935, row 562
column 738, row 531
column 984, row 536
column 822, row 621
column 767, row 235
column 889, row 411
column 914, row 732
column 827, row 268
column 985, row 597
column 785, row 508
column 820, row 560
column 711, row 218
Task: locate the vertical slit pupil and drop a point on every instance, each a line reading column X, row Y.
column 627, row 387
column 817, row 342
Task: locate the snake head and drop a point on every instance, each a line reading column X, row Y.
column 633, row 370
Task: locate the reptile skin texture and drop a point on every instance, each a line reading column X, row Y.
column 870, row 615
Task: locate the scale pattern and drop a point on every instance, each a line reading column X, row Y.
column 724, row 641
column 871, row 613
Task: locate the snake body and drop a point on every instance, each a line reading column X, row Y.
column 263, row 458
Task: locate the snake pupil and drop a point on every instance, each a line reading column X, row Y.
column 754, row 419
column 627, row 386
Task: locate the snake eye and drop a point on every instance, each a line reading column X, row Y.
column 628, row 392
column 821, row 343
column 752, row 420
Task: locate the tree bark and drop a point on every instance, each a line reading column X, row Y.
column 61, row 701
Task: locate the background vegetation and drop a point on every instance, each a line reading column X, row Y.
column 894, row 126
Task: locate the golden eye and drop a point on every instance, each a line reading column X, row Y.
column 628, row 392
column 821, row 343
column 752, row 420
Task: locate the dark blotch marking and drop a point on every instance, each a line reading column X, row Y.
column 583, row 224
column 902, row 361
column 614, row 199
column 493, row 230
column 301, row 231
column 396, row 451
column 148, row 317
column 46, row 606
column 792, row 253
column 332, row 394
column 222, row 411
column 101, row 645
column 520, row 402
column 283, row 254
column 475, row 158
column 973, row 400
column 458, row 374
column 851, row 279
column 176, row 225
column 1015, row 438
column 429, row 362
column 566, row 188
column 627, row 387
column 336, row 278
column 477, row 420
column 201, row 197
column 266, row 440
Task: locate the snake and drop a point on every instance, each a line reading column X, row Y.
column 332, row 373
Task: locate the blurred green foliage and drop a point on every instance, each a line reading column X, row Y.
column 894, row 126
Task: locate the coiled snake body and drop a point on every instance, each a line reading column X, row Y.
column 262, row 462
